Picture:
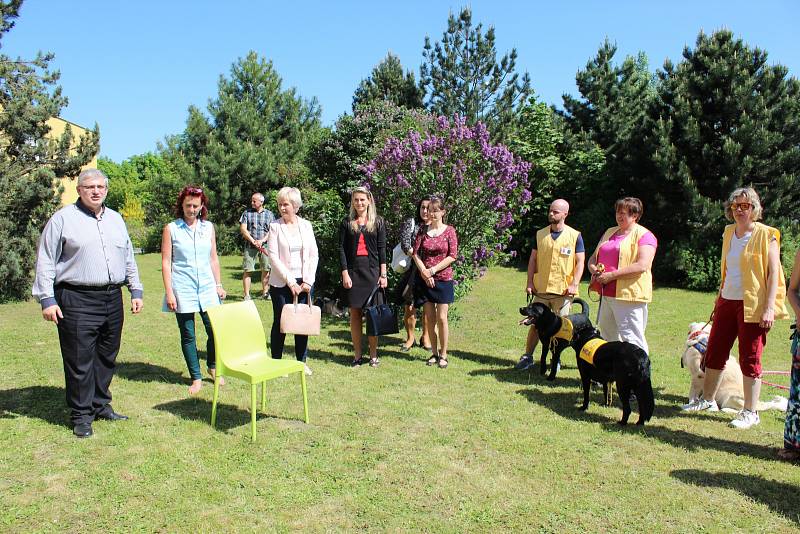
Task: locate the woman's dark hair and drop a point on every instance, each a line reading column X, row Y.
column 632, row 205
column 192, row 191
column 424, row 198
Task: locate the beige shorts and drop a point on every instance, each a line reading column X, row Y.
column 559, row 304
column 253, row 256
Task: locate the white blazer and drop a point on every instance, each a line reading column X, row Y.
column 279, row 255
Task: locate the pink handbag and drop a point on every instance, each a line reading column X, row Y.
column 300, row 319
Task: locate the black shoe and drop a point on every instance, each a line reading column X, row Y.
column 111, row 415
column 82, row 430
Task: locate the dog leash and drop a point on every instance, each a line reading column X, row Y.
column 703, row 358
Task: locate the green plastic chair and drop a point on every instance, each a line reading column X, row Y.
column 241, row 353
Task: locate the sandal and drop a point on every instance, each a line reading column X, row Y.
column 373, row 362
column 406, row 348
column 357, row 362
column 442, row 363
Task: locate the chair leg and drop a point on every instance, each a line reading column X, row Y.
column 253, row 409
column 264, row 396
column 305, row 395
column 214, row 404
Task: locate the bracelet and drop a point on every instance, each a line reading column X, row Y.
column 433, row 270
column 383, row 275
column 219, row 285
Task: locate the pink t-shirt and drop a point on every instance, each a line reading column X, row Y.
column 432, row 250
column 608, row 255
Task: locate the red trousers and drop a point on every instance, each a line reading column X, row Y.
column 729, row 325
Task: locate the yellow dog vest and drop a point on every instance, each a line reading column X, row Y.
column 588, row 350
column 565, row 333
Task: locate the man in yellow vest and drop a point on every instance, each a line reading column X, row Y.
column 555, row 268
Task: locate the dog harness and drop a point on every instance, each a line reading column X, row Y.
column 699, row 342
column 565, row 333
column 591, row 346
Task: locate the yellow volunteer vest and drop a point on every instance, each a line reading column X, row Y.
column 755, row 265
column 639, row 289
column 588, row 350
column 555, row 260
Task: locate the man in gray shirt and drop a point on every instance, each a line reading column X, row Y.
column 85, row 256
column 254, row 226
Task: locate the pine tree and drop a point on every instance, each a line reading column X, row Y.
column 29, row 160
column 462, row 76
column 387, row 83
column 256, row 136
column 613, row 113
column 726, row 118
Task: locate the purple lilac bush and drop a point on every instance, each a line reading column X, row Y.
column 485, row 188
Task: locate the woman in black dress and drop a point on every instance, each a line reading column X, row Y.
column 362, row 252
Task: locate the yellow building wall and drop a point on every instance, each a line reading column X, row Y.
column 57, row 126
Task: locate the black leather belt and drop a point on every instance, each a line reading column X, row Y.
column 73, row 287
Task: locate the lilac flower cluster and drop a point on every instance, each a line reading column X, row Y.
column 485, row 186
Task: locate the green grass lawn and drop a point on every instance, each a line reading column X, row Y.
column 404, row 447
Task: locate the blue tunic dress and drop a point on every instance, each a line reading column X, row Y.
column 192, row 280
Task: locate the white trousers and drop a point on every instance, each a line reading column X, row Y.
column 621, row 320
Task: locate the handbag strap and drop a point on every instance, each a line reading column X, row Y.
column 296, row 303
column 372, row 295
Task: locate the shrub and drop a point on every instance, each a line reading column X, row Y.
column 485, row 188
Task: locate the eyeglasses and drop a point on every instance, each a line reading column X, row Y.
column 744, row 206
column 194, row 190
column 94, row 187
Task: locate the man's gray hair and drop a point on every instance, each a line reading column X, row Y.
column 259, row 195
column 88, row 174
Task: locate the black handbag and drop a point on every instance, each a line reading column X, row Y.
column 381, row 318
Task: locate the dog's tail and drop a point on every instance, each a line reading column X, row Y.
column 584, row 306
column 645, row 399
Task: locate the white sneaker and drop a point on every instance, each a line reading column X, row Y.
column 247, row 297
column 745, row 419
column 307, row 370
column 701, row 405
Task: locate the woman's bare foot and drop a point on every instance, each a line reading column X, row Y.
column 213, row 373
column 195, row 387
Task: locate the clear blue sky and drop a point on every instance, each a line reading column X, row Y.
column 135, row 67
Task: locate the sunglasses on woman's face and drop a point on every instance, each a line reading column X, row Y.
column 744, row 206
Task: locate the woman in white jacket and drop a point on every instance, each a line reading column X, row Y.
column 294, row 257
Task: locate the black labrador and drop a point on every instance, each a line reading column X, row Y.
column 549, row 327
column 615, row 361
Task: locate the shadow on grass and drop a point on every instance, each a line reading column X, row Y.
column 41, row 402
column 527, row 378
column 779, row 497
column 566, row 405
column 228, row 415
column 482, row 359
column 148, row 372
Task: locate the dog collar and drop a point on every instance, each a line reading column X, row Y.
column 701, row 345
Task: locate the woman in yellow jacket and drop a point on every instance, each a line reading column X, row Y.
column 621, row 263
column 751, row 297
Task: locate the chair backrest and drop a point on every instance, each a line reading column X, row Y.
column 238, row 333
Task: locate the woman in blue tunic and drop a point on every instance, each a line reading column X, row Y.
column 191, row 274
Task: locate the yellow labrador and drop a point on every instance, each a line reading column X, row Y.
column 730, row 395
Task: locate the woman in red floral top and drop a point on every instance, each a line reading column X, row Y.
column 434, row 251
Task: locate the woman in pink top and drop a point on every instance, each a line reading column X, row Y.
column 621, row 263
column 435, row 250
